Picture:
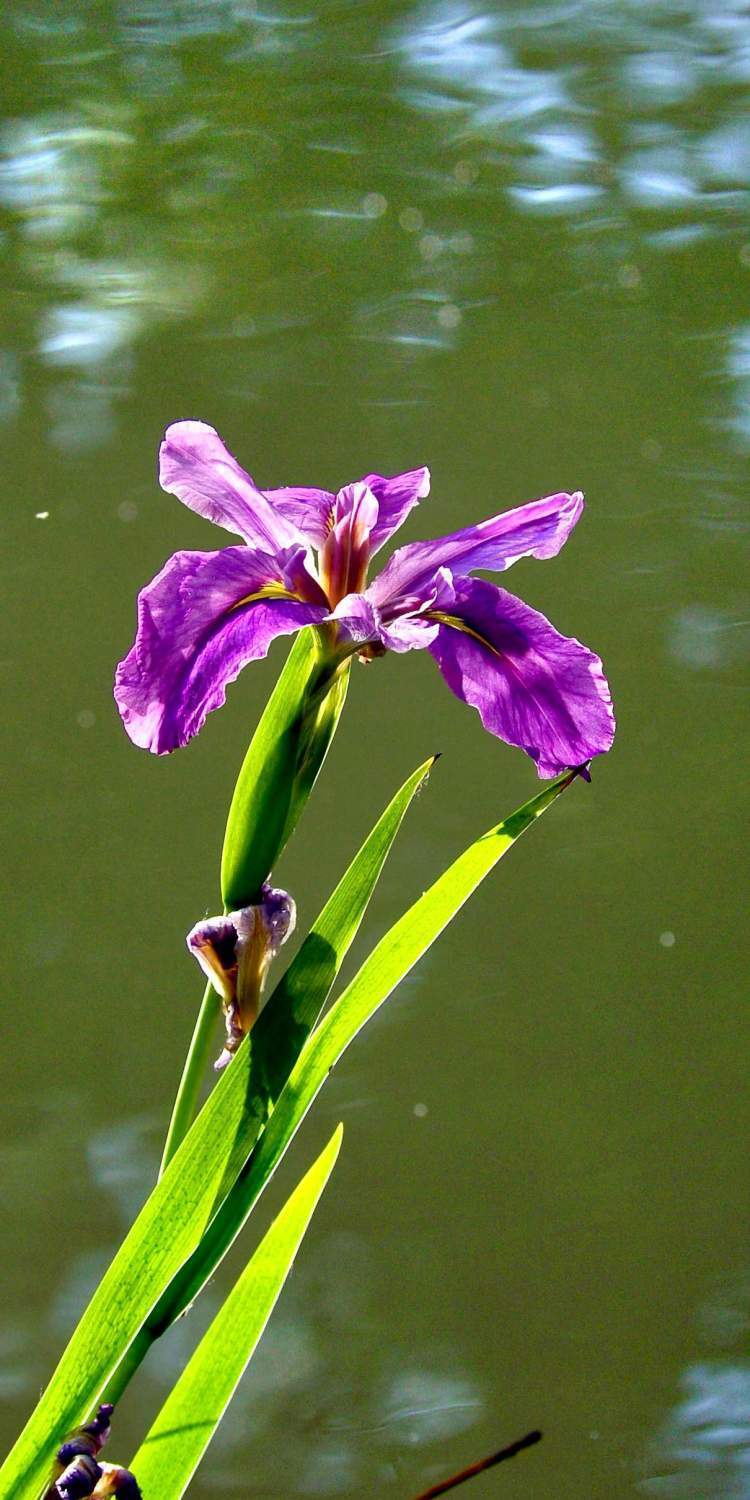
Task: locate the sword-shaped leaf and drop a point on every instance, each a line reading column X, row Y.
column 391, row 959
column 168, row 1458
column 177, row 1212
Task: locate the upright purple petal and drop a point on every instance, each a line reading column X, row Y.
column 312, row 511
column 195, row 465
column 531, row 686
column 538, row 529
column 198, row 625
column 344, row 559
column 396, row 496
column 309, row 511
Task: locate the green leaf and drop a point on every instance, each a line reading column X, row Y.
column 294, row 1006
column 281, row 764
column 298, row 999
column 392, row 958
column 263, row 1064
column 275, row 780
column 168, row 1458
column 175, row 1215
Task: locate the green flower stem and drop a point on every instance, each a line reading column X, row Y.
column 274, row 783
column 388, row 963
column 186, row 1099
column 282, row 764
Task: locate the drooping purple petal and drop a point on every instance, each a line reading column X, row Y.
column 532, row 687
column 396, row 496
column 198, row 625
column 538, row 529
column 197, row 467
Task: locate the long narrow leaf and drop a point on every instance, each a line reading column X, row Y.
column 169, row 1456
column 177, row 1212
column 392, row 958
column 295, row 1005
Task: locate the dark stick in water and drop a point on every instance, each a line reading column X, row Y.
column 484, row 1463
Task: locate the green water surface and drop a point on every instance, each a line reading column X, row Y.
column 510, row 241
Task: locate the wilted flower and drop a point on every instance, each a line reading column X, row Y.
column 304, row 562
column 82, row 1476
column 78, row 1480
column 116, row 1483
column 89, row 1438
column 235, row 952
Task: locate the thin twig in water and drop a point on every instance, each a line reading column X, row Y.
column 484, row 1463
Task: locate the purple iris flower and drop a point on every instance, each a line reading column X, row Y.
column 303, row 561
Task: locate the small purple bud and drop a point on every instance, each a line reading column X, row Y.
column 214, row 943
column 74, row 1447
column 89, row 1438
column 79, row 1479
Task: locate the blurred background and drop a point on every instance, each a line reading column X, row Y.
column 512, row 242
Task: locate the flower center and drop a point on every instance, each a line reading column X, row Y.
column 345, row 554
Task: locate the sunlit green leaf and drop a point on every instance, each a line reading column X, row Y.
column 175, row 1215
column 392, row 958
column 275, row 780
column 167, row 1459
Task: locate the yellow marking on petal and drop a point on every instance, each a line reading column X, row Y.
column 457, row 624
column 269, row 591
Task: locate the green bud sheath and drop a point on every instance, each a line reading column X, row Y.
column 281, row 765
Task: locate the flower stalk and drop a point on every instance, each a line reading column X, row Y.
column 193, row 1073
column 282, row 764
column 276, row 778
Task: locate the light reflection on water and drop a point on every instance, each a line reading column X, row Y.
column 707, row 1437
column 703, row 1448
column 517, row 104
column 704, row 638
column 309, row 1364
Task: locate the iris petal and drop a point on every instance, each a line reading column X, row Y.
column 310, row 511
column 197, row 467
column 199, row 621
column 532, row 687
column 396, row 496
column 538, row 529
